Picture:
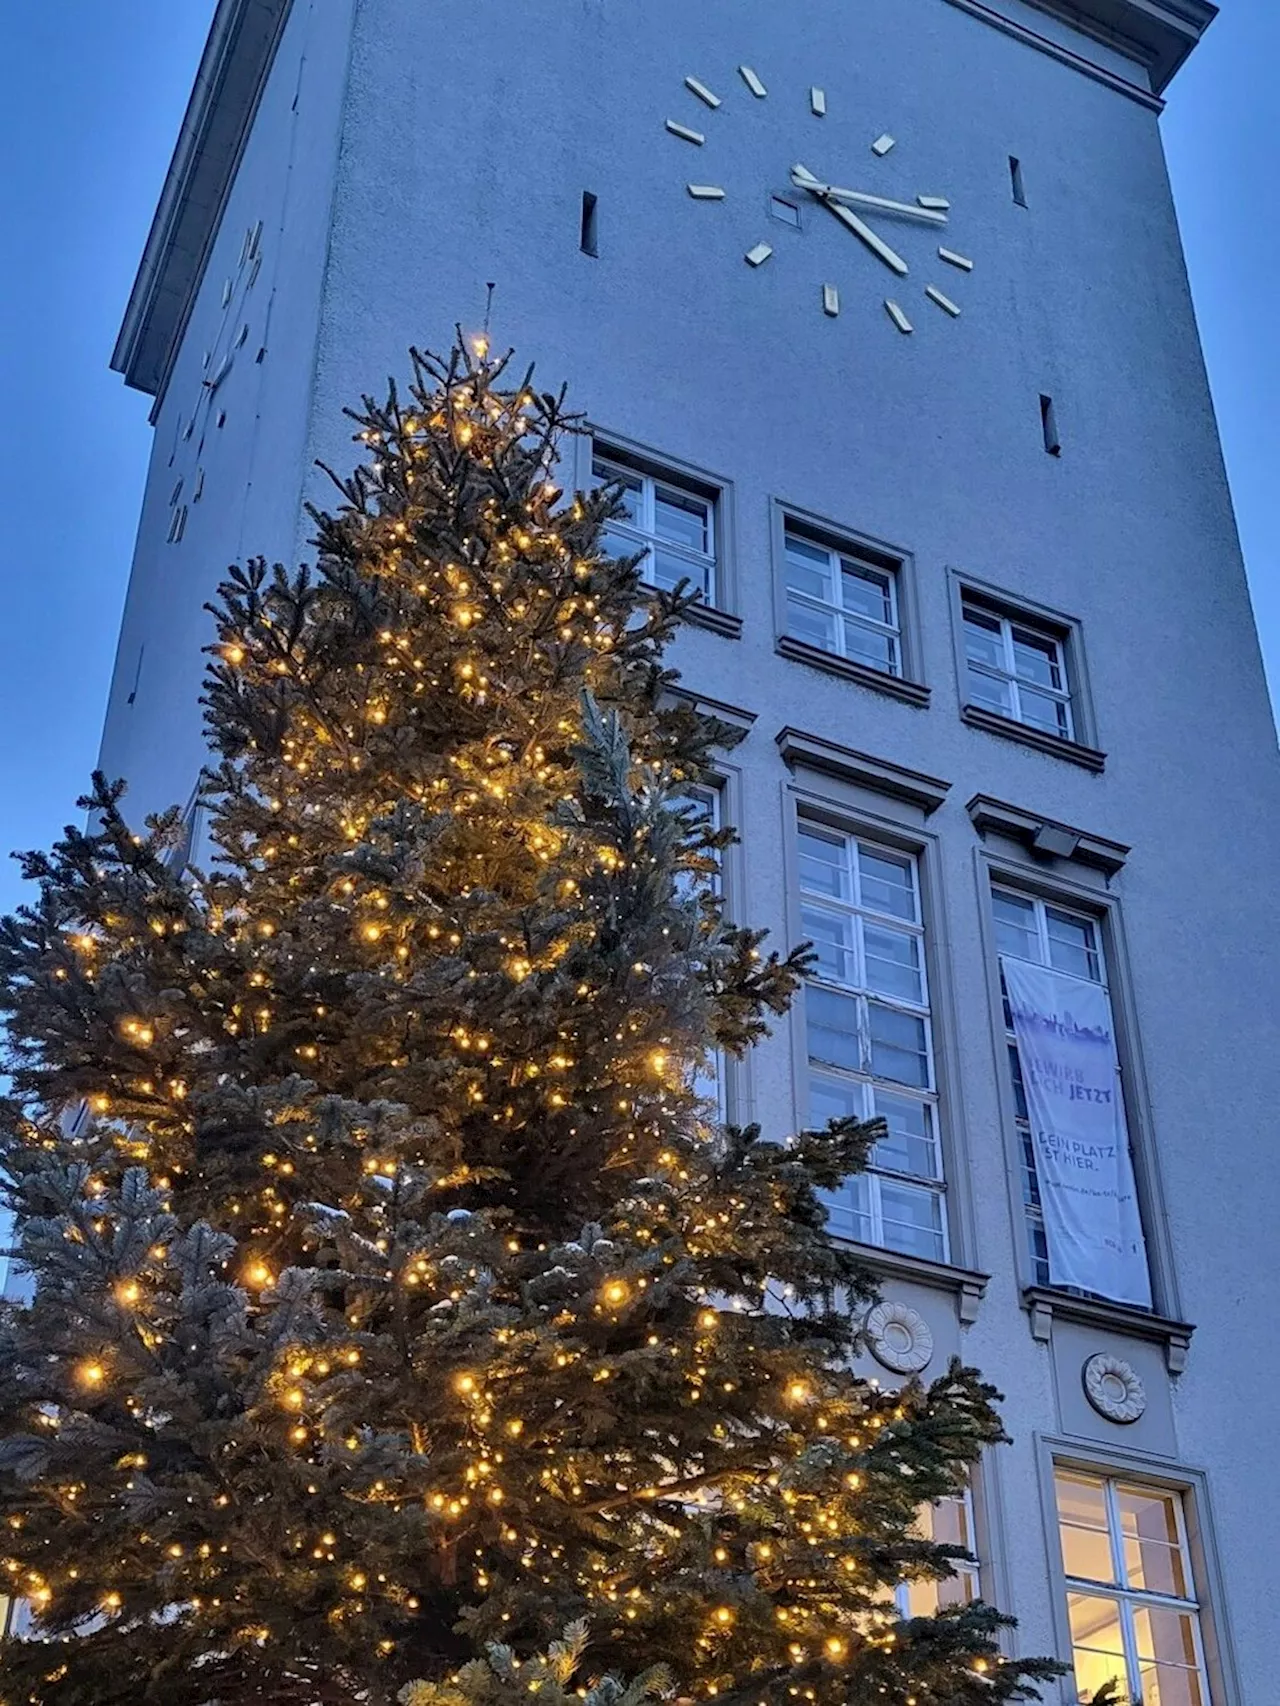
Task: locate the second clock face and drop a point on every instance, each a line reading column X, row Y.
column 861, row 197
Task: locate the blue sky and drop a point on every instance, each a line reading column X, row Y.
column 91, row 96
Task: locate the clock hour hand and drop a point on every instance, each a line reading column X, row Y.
column 849, row 219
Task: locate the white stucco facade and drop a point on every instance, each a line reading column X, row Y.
column 353, row 174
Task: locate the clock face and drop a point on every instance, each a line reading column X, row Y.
column 230, row 338
column 862, row 198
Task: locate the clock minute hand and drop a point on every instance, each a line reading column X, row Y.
column 804, row 179
column 848, row 218
column 904, row 209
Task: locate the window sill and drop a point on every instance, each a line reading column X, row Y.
column 1087, row 757
column 799, row 651
column 717, row 621
column 966, row 1285
column 1043, row 1304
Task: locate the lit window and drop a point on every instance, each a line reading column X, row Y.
column 949, row 1522
column 870, row 1043
column 1017, row 670
column 1131, row 1599
column 673, row 522
column 843, row 602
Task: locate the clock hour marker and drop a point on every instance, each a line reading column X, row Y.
column 753, row 83
column 706, row 192
column 684, row 133
column 226, row 291
column 961, row 261
column 830, row 300
column 897, row 316
column 882, row 145
column 702, row 92
column 818, row 102
column 944, row 302
column 759, row 255
column 198, row 492
column 938, row 203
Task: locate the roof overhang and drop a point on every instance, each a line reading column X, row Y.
column 1158, row 33
column 233, row 71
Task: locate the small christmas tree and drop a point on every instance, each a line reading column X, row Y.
column 399, row 1304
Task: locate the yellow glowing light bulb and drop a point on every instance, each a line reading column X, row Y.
column 465, row 1383
column 92, row 1373
column 797, row 1392
column 723, row 1615
column 615, row 1292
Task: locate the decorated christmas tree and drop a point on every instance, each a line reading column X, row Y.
column 402, row 1325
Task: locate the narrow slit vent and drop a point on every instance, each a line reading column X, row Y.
column 589, row 237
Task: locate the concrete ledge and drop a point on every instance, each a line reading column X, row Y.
column 1043, row 1305
column 1045, row 836
column 880, row 775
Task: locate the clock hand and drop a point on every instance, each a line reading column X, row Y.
column 849, row 219
column 860, row 198
column 214, row 379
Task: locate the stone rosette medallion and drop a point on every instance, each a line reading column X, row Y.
column 1114, row 1388
column 898, row 1337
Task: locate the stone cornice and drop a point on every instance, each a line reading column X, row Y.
column 1156, row 34
column 233, row 70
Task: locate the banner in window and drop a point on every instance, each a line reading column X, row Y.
column 1066, row 1045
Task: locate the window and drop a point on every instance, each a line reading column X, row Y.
column 705, row 802
column 1131, row 1599
column 843, row 601
column 947, row 1523
column 1029, row 928
column 674, row 522
column 1016, row 668
column 869, row 1038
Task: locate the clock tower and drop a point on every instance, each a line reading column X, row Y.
column 878, row 314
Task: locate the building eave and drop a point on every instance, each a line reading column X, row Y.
column 1158, row 33
column 233, row 70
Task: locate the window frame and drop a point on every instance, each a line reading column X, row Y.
column 908, row 683
column 971, row 1573
column 724, row 781
column 1010, row 608
column 1098, row 901
column 855, row 811
column 1055, row 1452
column 1008, row 671
column 1130, row 1600
column 717, row 608
column 863, row 1083
column 1032, row 1213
